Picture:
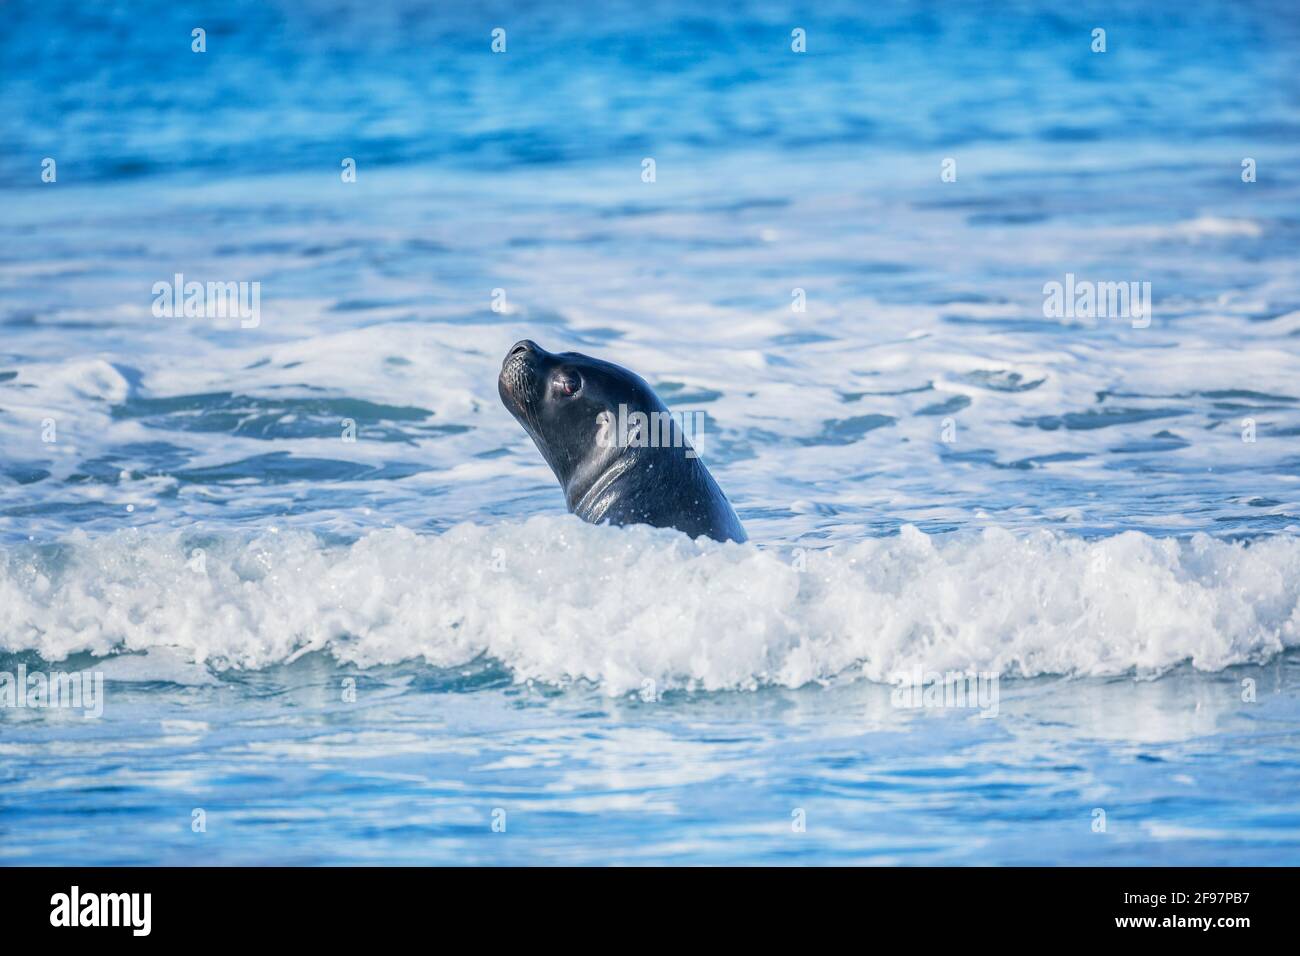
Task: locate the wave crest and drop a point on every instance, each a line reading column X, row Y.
column 556, row 600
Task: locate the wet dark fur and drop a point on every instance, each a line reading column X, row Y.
column 660, row 486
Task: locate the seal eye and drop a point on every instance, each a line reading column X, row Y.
column 566, row 383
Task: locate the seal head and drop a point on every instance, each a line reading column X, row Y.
column 617, row 453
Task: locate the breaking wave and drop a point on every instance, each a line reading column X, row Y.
column 557, row 601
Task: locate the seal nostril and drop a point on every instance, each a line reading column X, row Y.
column 524, row 345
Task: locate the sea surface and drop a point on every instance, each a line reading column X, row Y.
column 339, row 612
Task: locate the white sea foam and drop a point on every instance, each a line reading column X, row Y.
column 899, row 395
column 556, row 600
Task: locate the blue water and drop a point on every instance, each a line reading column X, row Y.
column 370, row 651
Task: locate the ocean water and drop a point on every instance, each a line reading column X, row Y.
column 400, row 649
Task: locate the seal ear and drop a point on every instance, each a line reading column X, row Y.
column 638, row 430
column 605, row 425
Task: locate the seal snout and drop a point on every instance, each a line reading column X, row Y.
column 522, row 347
column 518, row 373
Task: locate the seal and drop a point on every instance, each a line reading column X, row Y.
column 616, row 450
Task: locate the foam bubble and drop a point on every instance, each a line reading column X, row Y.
column 556, row 600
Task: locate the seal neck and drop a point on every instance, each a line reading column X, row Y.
column 583, row 500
